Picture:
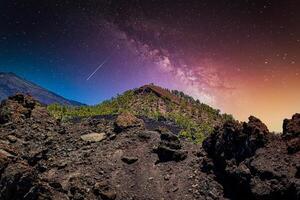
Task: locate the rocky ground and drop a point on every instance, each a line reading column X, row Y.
column 125, row 157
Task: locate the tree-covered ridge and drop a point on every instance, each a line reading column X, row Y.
column 196, row 119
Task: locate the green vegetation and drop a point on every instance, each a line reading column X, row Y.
column 5, row 114
column 196, row 119
column 110, row 107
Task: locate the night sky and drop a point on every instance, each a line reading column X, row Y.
column 241, row 56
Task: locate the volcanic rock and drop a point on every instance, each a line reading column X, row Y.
column 21, row 107
column 42, row 158
column 291, row 127
column 291, row 133
column 129, row 160
column 167, row 154
column 93, row 137
column 127, row 120
column 252, row 163
column 104, row 190
column 169, row 148
column 146, row 135
column 109, row 195
column 236, row 141
column 47, row 159
column 12, row 138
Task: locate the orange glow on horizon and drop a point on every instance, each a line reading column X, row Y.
column 271, row 100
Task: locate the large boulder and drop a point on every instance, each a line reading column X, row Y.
column 291, row 127
column 169, row 148
column 252, row 163
column 291, row 133
column 235, row 140
column 127, row 120
column 17, row 108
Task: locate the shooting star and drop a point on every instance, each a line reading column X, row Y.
column 92, row 74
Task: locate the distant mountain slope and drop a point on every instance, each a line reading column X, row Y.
column 10, row 84
column 196, row 119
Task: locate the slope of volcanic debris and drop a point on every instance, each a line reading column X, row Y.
column 104, row 157
column 128, row 157
column 252, row 163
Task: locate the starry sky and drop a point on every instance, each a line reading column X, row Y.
column 241, row 56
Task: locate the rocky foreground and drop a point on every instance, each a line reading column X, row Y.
column 124, row 157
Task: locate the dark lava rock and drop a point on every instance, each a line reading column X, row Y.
column 236, row 141
column 167, row 154
column 252, row 163
column 129, row 160
column 170, row 140
column 291, row 133
column 146, row 135
column 16, row 181
column 169, row 148
column 17, row 108
column 291, row 127
column 109, row 195
column 26, row 100
column 293, row 145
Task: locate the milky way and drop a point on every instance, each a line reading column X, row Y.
column 239, row 56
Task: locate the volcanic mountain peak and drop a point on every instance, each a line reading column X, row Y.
column 11, row 84
column 2, row 74
column 159, row 91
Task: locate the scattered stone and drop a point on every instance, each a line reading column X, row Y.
column 93, row 137
column 61, row 164
column 167, row 177
column 108, row 195
column 129, row 160
column 293, row 145
column 112, row 136
column 12, row 138
column 166, row 154
column 146, row 135
column 104, row 191
column 62, row 131
column 170, row 140
column 5, row 153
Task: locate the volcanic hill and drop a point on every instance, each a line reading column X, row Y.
column 195, row 119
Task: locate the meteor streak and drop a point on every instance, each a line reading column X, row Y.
column 92, row 74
